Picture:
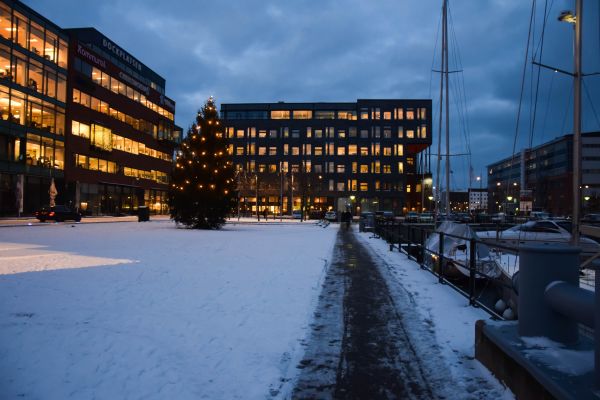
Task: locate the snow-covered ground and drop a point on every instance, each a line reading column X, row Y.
column 142, row 311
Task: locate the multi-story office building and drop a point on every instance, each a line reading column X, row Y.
column 541, row 178
column 478, row 199
column 361, row 155
column 78, row 109
column 121, row 131
column 33, row 91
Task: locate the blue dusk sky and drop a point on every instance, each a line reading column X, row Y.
column 327, row 50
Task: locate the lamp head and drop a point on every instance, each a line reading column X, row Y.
column 567, row 16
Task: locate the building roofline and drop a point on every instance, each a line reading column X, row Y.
column 74, row 31
column 16, row 4
column 548, row 143
column 312, row 104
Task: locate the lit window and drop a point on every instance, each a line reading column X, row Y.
column 350, row 115
column 284, row 114
column 398, row 113
column 324, row 114
column 302, row 114
column 101, row 137
column 364, row 186
column 364, row 168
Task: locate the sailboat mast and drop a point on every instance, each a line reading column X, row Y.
column 446, row 72
column 577, row 124
column 439, row 149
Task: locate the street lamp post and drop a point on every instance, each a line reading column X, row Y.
column 577, row 21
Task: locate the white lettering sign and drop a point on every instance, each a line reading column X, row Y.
column 135, row 83
column 117, row 51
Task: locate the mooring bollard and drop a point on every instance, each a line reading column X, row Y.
column 539, row 266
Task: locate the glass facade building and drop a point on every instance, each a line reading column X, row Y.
column 78, row 109
column 361, row 156
column 33, row 92
column 120, row 129
column 543, row 176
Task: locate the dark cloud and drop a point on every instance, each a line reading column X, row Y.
column 263, row 51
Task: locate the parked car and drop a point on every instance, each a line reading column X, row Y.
column 384, row 215
column 463, row 217
column 331, row 216
column 591, row 219
column 297, row 214
column 316, row 214
column 58, row 214
column 499, row 217
column 426, row 217
column 411, row 216
column 541, row 231
column 536, row 215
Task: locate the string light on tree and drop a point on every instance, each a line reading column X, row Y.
column 196, row 207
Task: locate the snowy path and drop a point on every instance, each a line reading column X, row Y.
column 370, row 338
column 360, row 347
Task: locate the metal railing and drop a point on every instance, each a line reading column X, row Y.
column 480, row 288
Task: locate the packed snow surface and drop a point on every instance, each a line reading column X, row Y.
column 146, row 311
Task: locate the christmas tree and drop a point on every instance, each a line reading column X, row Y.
column 202, row 182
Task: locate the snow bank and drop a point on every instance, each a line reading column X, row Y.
column 130, row 310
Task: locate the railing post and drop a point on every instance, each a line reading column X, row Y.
column 422, row 246
column 472, row 270
column 441, row 258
